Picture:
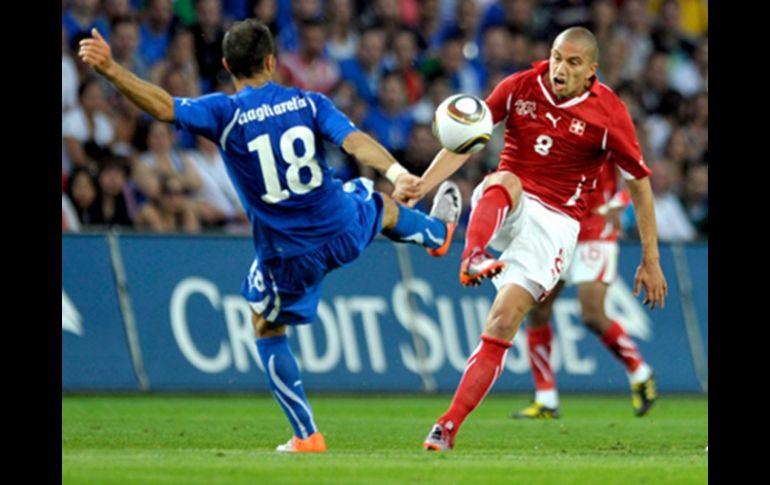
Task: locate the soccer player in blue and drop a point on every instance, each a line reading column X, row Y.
column 305, row 222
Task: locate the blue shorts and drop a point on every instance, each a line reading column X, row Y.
column 287, row 291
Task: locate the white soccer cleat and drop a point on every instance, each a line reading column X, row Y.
column 447, row 207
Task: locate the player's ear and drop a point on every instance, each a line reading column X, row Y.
column 227, row 67
column 270, row 63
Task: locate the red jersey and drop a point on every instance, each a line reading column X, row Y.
column 558, row 147
column 594, row 226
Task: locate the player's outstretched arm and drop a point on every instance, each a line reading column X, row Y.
column 444, row 164
column 369, row 152
column 152, row 99
column 649, row 274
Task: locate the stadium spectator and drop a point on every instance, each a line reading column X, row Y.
column 390, row 122
column 288, row 26
column 208, row 33
column 162, row 160
column 156, row 29
column 308, row 68
column 170, row 210
column 635, row 29
column 111, row 208
column 695, row 197
column 81, row 191
column 218, row 202
column 405, row 61
column 451, row 63
column 365, row 70
column 87, row 131
column 125, row 41
column 529, row 209
column 81, row 16
column 181, row 59
column 266, row 11
column 69, row 76
column 672, row 221
column 117, row 9
column 342, row 39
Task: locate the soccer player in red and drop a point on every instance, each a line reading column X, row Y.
column 593, row 268
column 561, row 125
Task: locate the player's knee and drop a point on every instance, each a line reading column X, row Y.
column 511, row 182
column 389, row 212
column 539, row 315
column 594, row 317
column 503, row 322
column 264, row 329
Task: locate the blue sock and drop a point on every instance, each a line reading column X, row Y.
column 417, row 227
column 284, row 379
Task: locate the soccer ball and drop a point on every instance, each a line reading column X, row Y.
column 462, row 123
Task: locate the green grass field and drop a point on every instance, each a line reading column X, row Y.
column 377, row 439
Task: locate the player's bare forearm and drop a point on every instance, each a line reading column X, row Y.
column 644, row 206
column 96, row 52
column 152, row 99
column 444, row 164
column 368, row 151
column 649, row 274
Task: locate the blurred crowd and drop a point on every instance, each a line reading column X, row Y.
column 386, row 64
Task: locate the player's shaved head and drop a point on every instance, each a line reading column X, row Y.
column 582, row 36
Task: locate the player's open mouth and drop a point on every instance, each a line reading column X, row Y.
column 558, row 83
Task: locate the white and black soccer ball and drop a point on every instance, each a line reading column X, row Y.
column 462, row 123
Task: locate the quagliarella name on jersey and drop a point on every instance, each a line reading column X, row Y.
column 266, row 111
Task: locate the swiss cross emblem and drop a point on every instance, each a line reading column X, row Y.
column 577, row 127
column 525, row 108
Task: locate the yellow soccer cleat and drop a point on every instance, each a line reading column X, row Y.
column 537, row 410
column 643, row 395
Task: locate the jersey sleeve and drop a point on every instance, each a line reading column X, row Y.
column 208, row 115
column 623, row 143
column 332, row 122
column 499, row 100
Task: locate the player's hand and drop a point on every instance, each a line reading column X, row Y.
column 650, row 276
column 408, row 189
column 96, row 52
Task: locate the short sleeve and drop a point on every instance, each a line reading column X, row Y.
column 499, row 99
column 208, row 115
column 332, row 123
column 623, row 143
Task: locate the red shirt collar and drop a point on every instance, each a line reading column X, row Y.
column 541, row 67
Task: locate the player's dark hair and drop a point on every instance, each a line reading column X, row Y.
column 246, row 46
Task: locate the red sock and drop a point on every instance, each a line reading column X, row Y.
column 539, row 346
column 487, row 216
column 617, row 340
column 481, row 372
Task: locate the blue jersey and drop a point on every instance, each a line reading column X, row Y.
column 270, row 138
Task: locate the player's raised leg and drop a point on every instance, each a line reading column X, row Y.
column 502, row 192
column 539, row 343
column 433, row 231
column 285, row 382
column 640, row 375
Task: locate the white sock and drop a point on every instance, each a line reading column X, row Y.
column 641, row 374
column 548, row 398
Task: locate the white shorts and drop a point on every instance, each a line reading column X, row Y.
column 593, row 261
column 536, row 242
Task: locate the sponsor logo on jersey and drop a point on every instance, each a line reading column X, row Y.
column 552, row 119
